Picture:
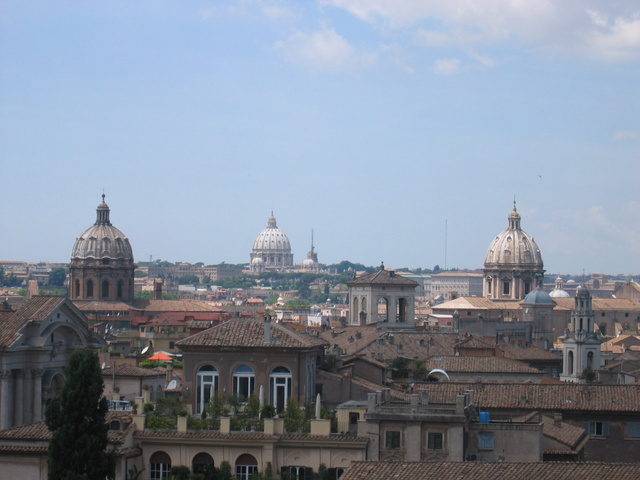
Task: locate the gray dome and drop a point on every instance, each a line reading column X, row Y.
column 513, row 247
column 102, row 240
column 538, row 297
column 271, row 239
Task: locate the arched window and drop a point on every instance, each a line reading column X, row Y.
column 570, row 363
column 105, row 289
column 383, row 308
column 76, row 288
column 89, row 288
column 243, row 382
column 159, row 466
column 280, row 388
column 401, row 314
column 246, row 465
column 206, row 386
column 590, row 360
column 200, row 462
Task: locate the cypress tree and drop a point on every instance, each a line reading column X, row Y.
column 76, row 419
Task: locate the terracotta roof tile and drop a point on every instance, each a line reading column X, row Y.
column 248, row 333
column 492, row 470
column 555, row 397
column 453, row 364
column 37, row 308
column 564, row 433
column 382, row 277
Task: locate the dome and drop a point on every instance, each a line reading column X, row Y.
column 308, row 262
column 271, row 239
column 582, row 292
column 102, row 240
column 538, row 297
column 558, row 292
column 513, row 247
column 257, row 261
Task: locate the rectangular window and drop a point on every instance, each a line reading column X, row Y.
column 435, row 440
column 505, row 287
column 597, row 429
column 633, row 429
column 485, row 441
column 392, row 439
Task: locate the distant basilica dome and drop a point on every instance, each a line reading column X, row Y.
column 558, row 292
column 271, row 249
column 513, row 264
column 102, row 265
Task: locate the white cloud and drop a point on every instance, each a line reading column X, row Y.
column 446, row 66
column 591, row 28
column 322, row 50
column 625, row 135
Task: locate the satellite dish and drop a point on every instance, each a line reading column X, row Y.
column 172, row 384
column 438, row 370
column 145, row 350
column 104, row 364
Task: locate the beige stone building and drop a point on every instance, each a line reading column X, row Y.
column 383, row 298
column 36, row 342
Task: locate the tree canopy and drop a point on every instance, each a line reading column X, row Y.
column 76, row 419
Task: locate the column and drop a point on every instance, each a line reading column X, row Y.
column 36, row 378
column 18, row 397
column 5, row 399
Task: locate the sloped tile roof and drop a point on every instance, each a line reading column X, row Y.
column 553, row 397
column 564, row 433
column 528, row 353
column 491, row 470
column 382, row 277
column 453, row 364
column 36, row 309
column 249, row 333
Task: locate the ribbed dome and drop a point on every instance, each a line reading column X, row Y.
column 271, row 239
column 102, row 240
column 513, row 247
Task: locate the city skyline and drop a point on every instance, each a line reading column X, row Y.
column 390, row 128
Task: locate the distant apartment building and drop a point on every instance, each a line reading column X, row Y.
column 177, row 270
column 450, row 285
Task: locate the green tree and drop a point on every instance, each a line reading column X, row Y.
column 57, row 277
column 76, row 419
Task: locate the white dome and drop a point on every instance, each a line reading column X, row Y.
column 271, row 239
column 102, row 240
column 257, row 261
column 513, row 247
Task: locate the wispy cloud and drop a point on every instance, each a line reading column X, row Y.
column 324, row 49
column 446, row 66
column 591, row 28
column 625, row 135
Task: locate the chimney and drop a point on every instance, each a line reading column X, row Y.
column 157, row 289
column 557, row 419
column 32, row 288
column 267, row 328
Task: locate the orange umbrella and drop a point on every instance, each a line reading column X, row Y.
column 160, row 357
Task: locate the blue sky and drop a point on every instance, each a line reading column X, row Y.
column 373, row 122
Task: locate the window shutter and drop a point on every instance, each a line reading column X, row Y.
column 585, row 425
column 605, row 429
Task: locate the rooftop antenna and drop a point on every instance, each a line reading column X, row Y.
column 445, row 243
